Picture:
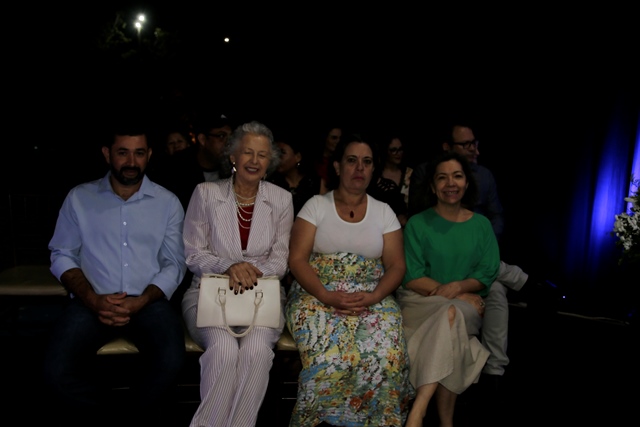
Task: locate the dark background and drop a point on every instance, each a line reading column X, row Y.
column 541, row 84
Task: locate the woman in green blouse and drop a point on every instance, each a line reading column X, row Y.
column 452, row 258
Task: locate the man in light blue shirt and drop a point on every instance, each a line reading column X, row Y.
column 118, row 249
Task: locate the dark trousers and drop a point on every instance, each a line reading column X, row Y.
column 70, row 367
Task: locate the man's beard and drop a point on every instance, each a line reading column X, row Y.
column 119, row 176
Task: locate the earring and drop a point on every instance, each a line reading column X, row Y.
column 298, row 165
column 233, row 168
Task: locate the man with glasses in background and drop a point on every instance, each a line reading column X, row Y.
column 201, row 161
column 464, row 142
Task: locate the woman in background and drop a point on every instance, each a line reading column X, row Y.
column 295, row 173
column 391, row 184
column 177, row 140
column 323, row 159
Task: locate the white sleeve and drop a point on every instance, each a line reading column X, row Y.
column 309, row 211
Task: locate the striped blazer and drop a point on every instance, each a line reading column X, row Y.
column 212, row 238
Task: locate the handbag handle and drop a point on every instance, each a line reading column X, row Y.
column 222, row 295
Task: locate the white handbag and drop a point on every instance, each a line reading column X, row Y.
column 219, row 306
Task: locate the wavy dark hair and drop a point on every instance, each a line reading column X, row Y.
column 345, row 140
column 470, row 197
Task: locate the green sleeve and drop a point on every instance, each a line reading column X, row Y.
column 413, row 250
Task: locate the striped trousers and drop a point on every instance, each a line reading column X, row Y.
column 234, row 372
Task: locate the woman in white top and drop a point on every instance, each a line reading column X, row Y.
column 347, row 258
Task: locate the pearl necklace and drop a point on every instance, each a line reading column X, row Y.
column 240, row 209
column 242, row 197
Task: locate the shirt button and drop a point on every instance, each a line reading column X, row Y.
column 125, row 243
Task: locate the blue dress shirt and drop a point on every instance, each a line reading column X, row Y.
column 121, row 245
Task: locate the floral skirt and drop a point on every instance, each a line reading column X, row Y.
column 355, row 369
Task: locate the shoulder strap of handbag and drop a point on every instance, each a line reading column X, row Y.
column 222, row 293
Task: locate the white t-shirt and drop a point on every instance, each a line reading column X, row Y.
column 333, row 234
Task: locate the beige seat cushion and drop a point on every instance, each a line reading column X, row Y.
column 123, row 346
column 286, row 342
column 190, row 344
column 118, row 345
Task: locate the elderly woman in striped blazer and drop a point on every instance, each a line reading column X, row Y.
column 240, row 227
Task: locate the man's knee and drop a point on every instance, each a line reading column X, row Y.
column 497, row 292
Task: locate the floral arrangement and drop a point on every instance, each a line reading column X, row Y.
column 627, row 227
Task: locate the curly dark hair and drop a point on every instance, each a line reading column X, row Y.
column 470, row 197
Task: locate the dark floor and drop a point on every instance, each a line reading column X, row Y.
column 566, row 369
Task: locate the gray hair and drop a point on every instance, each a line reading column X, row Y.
column 251, row 128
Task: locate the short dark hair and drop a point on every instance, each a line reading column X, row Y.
column 470, row 197
column 127, row 124
column 207, row 119
column 462, row 122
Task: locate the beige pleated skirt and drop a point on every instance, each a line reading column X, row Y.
column 452, row 356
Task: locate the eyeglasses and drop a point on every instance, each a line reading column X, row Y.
column 394, row 150
column 467, row 145
column 220, row 135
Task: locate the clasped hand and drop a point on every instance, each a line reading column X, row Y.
column 449, row 290
column 243, row 276
column 116, row 309
column 349, row 303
